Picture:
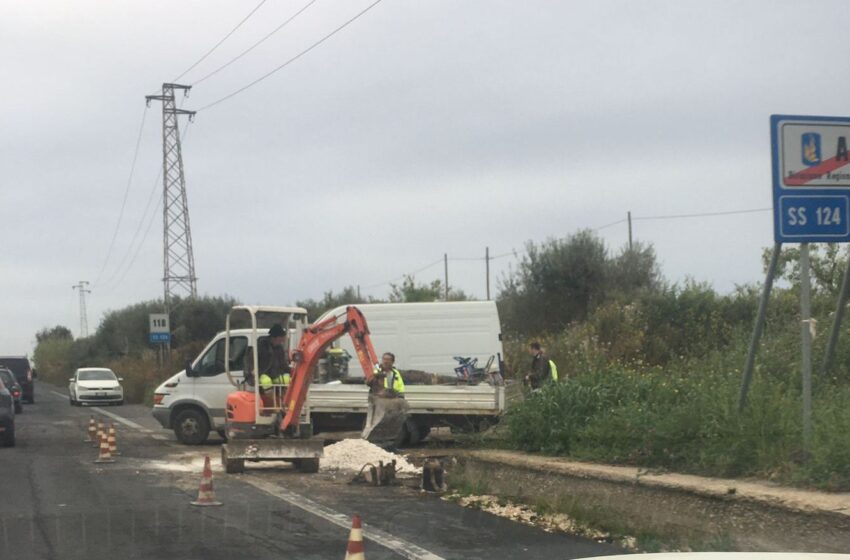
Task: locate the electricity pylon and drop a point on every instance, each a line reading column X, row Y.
column 178, row 258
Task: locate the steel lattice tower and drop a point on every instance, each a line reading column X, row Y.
column 82, row 286
column 178, row 258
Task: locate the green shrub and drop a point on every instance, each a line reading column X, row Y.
column 687, row 420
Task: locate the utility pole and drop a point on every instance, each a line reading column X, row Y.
column 629, row 218
column 446, row 270
column 487, row 260
column 82, row 286
column 178, row 258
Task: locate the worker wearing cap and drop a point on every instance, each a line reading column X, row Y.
column 274, row 362
column 392, row 379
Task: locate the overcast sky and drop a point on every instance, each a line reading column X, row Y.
column 422, row 128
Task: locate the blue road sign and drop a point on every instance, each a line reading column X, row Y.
column 160, row 338
column 811, row 178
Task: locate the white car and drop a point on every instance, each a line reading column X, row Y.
column 95, row 385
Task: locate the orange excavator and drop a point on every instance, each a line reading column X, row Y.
column 269, row 426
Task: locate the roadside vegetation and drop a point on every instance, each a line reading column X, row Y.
column 650, row 371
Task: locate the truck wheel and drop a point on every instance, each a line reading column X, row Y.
column 414, row 435
column 191, row 427
column 309, row 466
column 423, row 432
column 231, row 466
column 403, row 436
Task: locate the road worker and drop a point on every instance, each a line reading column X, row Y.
column 274, row 366
column 387, row 374
column 543, row 369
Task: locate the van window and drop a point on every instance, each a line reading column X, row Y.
column 212, row 363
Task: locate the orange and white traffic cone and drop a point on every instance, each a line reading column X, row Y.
column 206, row 494
column 104, row 456
column 101, row 434
column 91, row 431
column 112, row 440
column 354, row 550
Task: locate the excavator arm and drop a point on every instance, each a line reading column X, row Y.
column 314, row 341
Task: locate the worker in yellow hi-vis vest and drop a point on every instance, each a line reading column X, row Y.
column 392, row 379
column 543, row 370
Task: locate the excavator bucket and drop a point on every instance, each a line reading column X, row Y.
column 385, row 420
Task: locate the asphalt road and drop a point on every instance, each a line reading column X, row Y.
column 56, row 503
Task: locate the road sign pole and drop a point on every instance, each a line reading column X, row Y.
column 759, row 327
column 805, row 330
column 836, row 325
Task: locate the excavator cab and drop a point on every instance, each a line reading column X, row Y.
column 266, row 423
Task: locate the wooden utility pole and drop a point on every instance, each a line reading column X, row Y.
column 487, row 261
column 446, row 270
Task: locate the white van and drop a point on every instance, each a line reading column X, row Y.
column 423, row 336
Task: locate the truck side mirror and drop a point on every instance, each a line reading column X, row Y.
column 189, row 371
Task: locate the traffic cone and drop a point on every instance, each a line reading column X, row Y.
column 91, row 431
column 104, row 456
column 112, row 440
column 206, row 494
column 101, row 433
column 354, row 550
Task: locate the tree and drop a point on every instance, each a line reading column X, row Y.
column 827, row 266
column 57, row 332
column 315, row 309
column 409, row 292
column 634, row 270
column 562, row 281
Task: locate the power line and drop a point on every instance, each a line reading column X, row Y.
column 139, row 226
column 424, row 268
column 255, row 45
column 123, row 200
column 223, row 39
column 702, row 214
column 623, row 220
column 609, row 225
column 141, row 243
column 293, row 59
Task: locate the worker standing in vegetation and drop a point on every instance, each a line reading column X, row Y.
column 387, row 373
column 542, row 368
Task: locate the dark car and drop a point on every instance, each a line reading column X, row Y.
column 20, row 366
column 8, row 379
column 7, row 417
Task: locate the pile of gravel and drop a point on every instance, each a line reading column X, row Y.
column 352, row 454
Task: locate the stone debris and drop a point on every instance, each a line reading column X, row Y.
column 352, row 454
column 549, row 522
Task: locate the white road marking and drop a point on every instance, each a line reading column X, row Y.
column 404, row 548
column 123, row 420
column 112, row 415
